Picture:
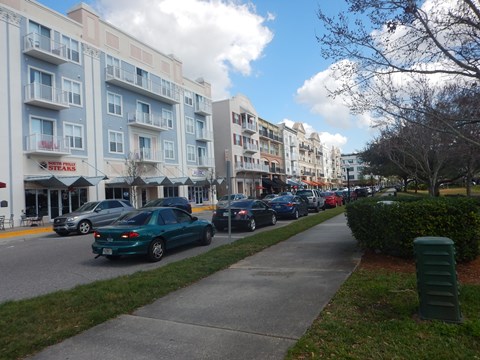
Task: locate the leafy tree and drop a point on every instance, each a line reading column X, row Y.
column 395, row 52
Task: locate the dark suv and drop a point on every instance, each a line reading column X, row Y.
column 315, row 199
column 177, row 201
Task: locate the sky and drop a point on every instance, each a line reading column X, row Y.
column 266, row 50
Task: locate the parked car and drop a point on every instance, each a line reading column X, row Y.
column 314, row 198
column 268, row 198
column 362, row 192
column 223, row 201
column 178, row 202
column 247, row 213
column 332, row 199
column 290, row 206
column 151, row 232
column 90, row 216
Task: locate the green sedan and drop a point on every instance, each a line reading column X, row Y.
column 151, row 232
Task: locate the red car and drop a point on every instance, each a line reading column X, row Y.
column 332, row 199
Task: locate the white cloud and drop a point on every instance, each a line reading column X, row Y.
column 314, row 93
column 211, row 38
column 326, row 138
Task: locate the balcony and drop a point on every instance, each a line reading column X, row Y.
column 44, row 48
column 147, row 121
column 250, row 148
column 147, row 155
column 46, row 96
column 46, row 145
column 241, row 166
column 203, row 107
column 165, row 91
column 206, row 162
column 250, row 128
column 204, row 135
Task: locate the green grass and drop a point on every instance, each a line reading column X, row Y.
column 374, row 316
column 28, row 326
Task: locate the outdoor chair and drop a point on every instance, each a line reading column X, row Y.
column 2, row 222
column 10, row 221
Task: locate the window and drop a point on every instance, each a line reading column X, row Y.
column 237, row 139
column 41, row 40
column 74, row 91
column 191, row 153
column 73, row 133
column 167, row 116
column 113, row 66
column 114, row 105
column 42, row 126
column 145, row 144
column 42, row 87
column 115, row 140
column 143, row 112
column 189, row 123
column 236, row 118
column 142, row 78
column 169, row 151
column 188, row 96
column 72, row 48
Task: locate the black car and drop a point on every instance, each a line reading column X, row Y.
column 247, row 213
column 177, row 201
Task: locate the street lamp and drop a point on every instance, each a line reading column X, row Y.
column 348, row 183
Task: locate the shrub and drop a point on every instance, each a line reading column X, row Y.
column 391, row 227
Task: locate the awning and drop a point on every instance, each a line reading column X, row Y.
column 279, row 182
column 2, row 185
column 181, row 181
column 308, row 182
column 158, row 181
column 267, row 182
column 53, row 181
column 294, row 183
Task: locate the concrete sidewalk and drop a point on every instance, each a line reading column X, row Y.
column 256, row 309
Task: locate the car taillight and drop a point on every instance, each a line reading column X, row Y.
column 130, row 235
column 96, row 235
column 290, row 204
column 243, row 212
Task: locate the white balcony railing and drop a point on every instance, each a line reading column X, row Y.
column 249, row 127
column 46, row 96
column 243, row 166
column 147, row 155
column 205, row 135
column 248, row 147
column 161, row 90
column 203, row 107
column 204, row 161
column 44, row 48
column 40, row 143
column 147, row 120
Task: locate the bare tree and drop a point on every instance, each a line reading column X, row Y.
column 395, row 51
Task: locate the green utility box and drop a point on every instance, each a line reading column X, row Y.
column 437, row 279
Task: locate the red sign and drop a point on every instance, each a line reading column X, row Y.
column 61, row 166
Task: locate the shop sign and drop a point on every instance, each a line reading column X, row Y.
column 59, row 166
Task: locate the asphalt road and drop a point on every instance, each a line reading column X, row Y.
column 40, row 264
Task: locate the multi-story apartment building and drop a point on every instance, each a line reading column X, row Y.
column 90, row 112
column 290, row 146
column 336, row 167
column 237, row 142
column 272, row 155
column 355, row 167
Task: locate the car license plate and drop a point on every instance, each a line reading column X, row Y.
column 225, row 213
column 107, row 251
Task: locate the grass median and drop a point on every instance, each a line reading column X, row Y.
column 374, row 316
column 28, row 326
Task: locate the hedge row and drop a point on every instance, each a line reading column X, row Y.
column 391, row 226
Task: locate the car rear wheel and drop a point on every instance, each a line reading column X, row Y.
column 295, row 214
column 156, row 249
column 207, row 236
column 84, row 227
column 273, row 221
column 252, row 225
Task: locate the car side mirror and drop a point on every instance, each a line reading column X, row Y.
column 194, row 218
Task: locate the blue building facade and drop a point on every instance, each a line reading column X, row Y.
column 90, row 112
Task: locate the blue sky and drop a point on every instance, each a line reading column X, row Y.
column 264, row 49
